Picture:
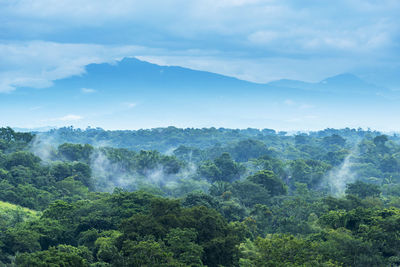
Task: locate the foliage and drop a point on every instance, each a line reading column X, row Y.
column 200, row 197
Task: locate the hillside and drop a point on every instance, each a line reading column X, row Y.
column 328, row 198
column 6, row 207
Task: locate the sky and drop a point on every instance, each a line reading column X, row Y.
column 254, row 40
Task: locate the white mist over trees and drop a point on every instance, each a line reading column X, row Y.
column 190, row 159
column 241, row 194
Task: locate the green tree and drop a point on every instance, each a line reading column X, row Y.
column 63, row 255
column 223, row 168
column 75, row 152
column 259, row 193
column 182, row 244
column 146, row 253
column 286, row 250
column 363, row 190
column 269, row 181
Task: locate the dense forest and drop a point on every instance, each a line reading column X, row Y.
column 199, row 197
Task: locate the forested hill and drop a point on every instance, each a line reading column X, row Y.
column 199, row 197
column 165, row 139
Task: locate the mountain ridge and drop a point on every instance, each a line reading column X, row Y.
column 136, row 94
column 143, row 73
column 339, row 82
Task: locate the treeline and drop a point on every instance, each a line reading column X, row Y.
column 321, row 199
column 165, row 139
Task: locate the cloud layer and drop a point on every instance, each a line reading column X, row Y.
column 37, row 63
column 257, row 40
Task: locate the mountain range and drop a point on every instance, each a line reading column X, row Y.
column 133, row 74
column 131, row 94
column 345, row 82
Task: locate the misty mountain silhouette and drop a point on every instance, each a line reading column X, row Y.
column 346, row 79
column 345, row 82
column 134, row 93
column 132, row 75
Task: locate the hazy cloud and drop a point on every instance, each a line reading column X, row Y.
column 257, row 40
column 88, row 90
column 130, row 105
column 67, row 118
column 37, row 64
column 289, row 102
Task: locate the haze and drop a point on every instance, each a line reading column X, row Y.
column 44, row 45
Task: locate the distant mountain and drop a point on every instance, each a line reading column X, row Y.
column 292, row 84
column 345, row 82
column 35, row 130
column 349, row 82
column 345, row 79
column 132, row 94
column 134, row 74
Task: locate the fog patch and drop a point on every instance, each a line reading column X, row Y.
column 108, row 174
column 43, row 147
column 337, row 179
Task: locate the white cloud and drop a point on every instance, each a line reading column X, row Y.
column 263, row 37
column 306, row 106
column 311, row 117
column 37, row 64
column 289, row 102
column 302, row 119
column 88, row 90
column 260, row 21
column 35, row 108
column 69, row 117
column 130, row 105
column 66, row 118
column 257, row 40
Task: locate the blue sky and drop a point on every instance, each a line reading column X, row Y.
column 255, row 40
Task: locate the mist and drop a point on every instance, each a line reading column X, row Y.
column 108, row 175
column 338, row 178
column 44, row 147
